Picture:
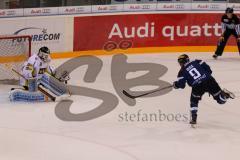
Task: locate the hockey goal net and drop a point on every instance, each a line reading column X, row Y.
column 14, row 50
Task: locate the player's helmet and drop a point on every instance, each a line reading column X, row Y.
column 229, row 10
column 44, row 53
column 183, row 59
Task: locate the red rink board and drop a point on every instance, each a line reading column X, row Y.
column 148, row 30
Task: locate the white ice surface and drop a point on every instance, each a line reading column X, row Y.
column 31, row 131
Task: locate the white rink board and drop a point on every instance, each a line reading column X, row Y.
column 121, row 7
column 32, row 131
column 54, row 32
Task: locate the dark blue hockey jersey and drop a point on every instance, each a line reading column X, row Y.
column 193, row 73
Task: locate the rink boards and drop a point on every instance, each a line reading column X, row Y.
column 111, row 33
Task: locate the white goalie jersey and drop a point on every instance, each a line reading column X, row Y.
column 39, row 80
column 35, row 68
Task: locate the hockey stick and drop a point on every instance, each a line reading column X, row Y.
column 141, row 95
column 39, row 87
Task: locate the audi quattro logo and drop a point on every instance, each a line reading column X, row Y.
column 145, row 6
column 135, row 7
column 174, row 6
column 168, row 6
column 105, row 8
column 70, row 10
column 74, row 10
column 203, row 6
column 112, row 7
column 38, row 11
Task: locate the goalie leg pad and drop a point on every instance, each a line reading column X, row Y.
column 32, row 84
column 53, row 84
column 26, row 96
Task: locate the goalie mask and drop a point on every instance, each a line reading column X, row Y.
column 44, row 54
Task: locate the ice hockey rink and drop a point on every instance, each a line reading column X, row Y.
column 32, row 131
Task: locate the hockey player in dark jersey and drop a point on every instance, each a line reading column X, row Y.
column 198, row 75
column 230, row 26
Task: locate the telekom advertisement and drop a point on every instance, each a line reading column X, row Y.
column 147, row 30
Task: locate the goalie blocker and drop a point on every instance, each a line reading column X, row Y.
column 55, row 88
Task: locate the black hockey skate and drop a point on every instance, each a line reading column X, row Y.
column 215, row 56
column 228, row 94
column 193, row 124
column 193, row 120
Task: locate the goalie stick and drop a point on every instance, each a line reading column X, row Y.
column 144, row 94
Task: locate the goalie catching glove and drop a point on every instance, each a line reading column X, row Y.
column 63, row 76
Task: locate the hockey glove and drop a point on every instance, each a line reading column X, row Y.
column 64, row 77
column 221, row 39
column 175, row 85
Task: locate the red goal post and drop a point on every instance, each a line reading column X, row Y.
column 14, row 51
